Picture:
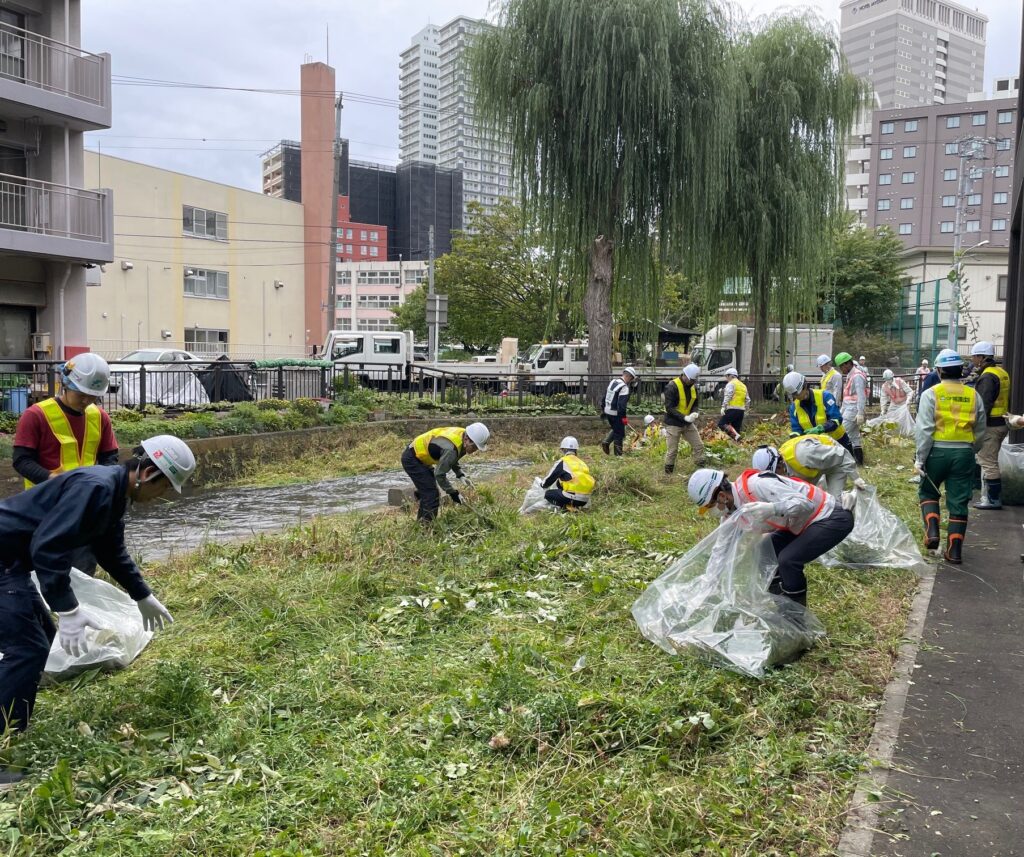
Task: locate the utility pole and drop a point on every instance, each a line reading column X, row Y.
column 970, row 149
column 332, row 267
column 432, row 316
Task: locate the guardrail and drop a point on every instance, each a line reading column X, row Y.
column 45, row 208
column 55, row 66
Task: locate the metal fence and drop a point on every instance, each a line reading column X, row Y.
column 54, row 66
column 45, row 208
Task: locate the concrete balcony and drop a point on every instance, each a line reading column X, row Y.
column 861, row 153
column 857, row 179
column 56, row 82
column 55, row 221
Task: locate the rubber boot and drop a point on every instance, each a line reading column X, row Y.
column 858, row 455
column 930, row 515
column 955, row 542
column 669, row 469
column 618, row 448
column 992, row 496
column 607, row 450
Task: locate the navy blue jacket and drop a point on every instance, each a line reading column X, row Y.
column 41, row 528
column 930, row 380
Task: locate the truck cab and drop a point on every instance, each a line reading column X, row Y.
column 376, row 357
column 555, row 367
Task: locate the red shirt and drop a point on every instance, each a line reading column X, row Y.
column 35, row 433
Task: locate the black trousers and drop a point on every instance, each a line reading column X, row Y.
column 732, row 417
column 795, row 551
column 422, row 477
column 846, row 443
column 617, row 434
column 556, row 497
column 26, row 632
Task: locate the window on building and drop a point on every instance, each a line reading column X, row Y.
column 1003, row 145
column 1001, row 284
column 1000, row 198
column 952, row 121
column 1001, row 172
column 908, row 178
column 974, row 199
column 363, row 250
column 374, row 250
column 414, row 276
column 887, row 127
column 948, row 201
column 885, row 154
column 201, row 340
column 375, row 278
column 952, row 149
column 380, row 324
column 344, row 278
column 200, row 223
column 974, row 226
column 946, row 226
column 378, row 301
column 344, row 301
column 348, row 234
column 910, row 151
column 979, row 119
column 907, row 202
column 885, row 178
column 999, row 224
column 348, row 249
column 1004, row 117
column 949, row 175
column 906, row 228
column 910, row 125
column 202, row 283
column 883, row 205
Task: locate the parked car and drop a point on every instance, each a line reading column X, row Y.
column 169, row 381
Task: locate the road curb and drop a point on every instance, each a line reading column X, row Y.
column 862, row 816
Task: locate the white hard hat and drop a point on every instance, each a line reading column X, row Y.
column 789, row 367
column 887, row 375
column 629, row 370
column 823, row 359
column 948, row 357
column 732, row 371
column 765, row 458
column 569, row 442
column 793, row 383
column 924, row 361
column 648, row 419
column 87, row 373
column 984, row 349
column 691, row 371
column 479, row 434
column 863, row 359
column 702, row 485
column 172, row 455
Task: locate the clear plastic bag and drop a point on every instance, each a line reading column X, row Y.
column 534, row 500
column 1011, row 471
column 878, row 538
column 119, row 642
column 714, row 603
column 898, row 416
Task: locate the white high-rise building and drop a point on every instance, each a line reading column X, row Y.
column 418, row 88
column 457, row 142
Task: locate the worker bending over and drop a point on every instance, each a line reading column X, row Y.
column 804, row 521
column 40, row 530
column 616, row 402
column 855, row 400
column 811, row 457
column 433, row 455
column 993, row 387
column 569, row 483
column 813, row 411
column 734, row 405
column 950, row 426
column 681, row 415
column 894, row 393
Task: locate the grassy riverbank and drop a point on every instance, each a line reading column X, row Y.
column 365, row 686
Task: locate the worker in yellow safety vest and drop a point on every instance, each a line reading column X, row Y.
column 811, row 457
column 831, row 380
column 734, row 405
column 433, row 455
column 950, row 426
column 569, row 483
column 813, row 411
column 993, row 386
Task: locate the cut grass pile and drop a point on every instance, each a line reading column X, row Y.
column 366, row 686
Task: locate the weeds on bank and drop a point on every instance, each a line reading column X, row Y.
column 368, row 686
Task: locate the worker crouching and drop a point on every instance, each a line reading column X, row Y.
column 810, row 458
column 569, row 483
column 804, row 521
column 433, row 455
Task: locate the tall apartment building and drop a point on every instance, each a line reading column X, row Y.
column 282, row 171
column 442, row 91
column 914, row 52
column 419, row 79
column 52, row 228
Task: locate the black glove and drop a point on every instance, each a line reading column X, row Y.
column 456, row 498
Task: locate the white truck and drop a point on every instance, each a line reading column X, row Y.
column 731, row 345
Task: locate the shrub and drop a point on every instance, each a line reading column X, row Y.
column 272, row 404
column 307, row 407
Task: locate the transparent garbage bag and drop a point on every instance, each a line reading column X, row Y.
column 714, row 603
column 878, row 538
column 1011, row 471
column 534, row 500
column 120, row 640
column 898, row 416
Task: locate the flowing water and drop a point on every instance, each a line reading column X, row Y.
column 159, row 530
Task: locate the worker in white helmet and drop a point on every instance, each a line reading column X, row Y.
column 894, row 392
column 569, row 482
column 41, row 530
column 651, row 432
column 831, row 380
column 992, row 384
column 921, row 373
column 681, row 413
column 734, row 404
column 804, row 521
column 811, row 457
column 433, row 455
column 616, row 404
column 813, row 411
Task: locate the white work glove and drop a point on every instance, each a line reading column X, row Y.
column 723, row 410
column 848, row 500
column 757, row 512
column 860, row 419
column 691, row 418
column 1013, row 421
column 919, row 468
column 71, row 628
column 154, row 614
column 860, row 484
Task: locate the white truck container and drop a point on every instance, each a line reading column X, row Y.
column 730, row 345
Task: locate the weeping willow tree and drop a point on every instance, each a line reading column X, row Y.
column 797, row 103
column 620, row 118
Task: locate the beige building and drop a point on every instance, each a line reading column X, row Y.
column 197, row 265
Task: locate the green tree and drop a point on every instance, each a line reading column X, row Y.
column 797, row 103
column 866, row 279
column 620, row 117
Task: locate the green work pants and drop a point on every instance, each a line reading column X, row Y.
column 953, row 466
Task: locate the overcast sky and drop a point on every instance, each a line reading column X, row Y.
column 258, row 43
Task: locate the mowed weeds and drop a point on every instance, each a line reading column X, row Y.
column 367, row 686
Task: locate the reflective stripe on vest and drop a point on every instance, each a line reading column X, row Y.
column 72, row 455
column 739, row 395
column 820, row 417
column 686, row 399
column 421, row 446
column 582, row 483
column 814, row 493
column 827, row 377
column 788, row 453
column 849, row 393
column 954, row 412
column 1002, row 403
